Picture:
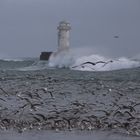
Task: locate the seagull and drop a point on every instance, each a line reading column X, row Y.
column 116, row 36
column 88, row 62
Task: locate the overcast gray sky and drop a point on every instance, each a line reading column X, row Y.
column 28, row 27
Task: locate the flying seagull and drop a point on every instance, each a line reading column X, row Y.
column 93, row 63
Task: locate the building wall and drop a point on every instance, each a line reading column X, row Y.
column 45, row 55
column 63, row 39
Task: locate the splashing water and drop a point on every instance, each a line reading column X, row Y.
column 104, row 64
column 63, row 59
column 92, row 62
column 76, row 59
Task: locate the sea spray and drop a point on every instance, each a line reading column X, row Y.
column 69, row 59
column 62, row 59
column 104, row 63
column 74, row 59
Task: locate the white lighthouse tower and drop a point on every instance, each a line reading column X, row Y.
column 62, row 58
column 63, row 36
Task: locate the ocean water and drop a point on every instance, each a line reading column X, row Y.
column 49, row 135
column 66, row 102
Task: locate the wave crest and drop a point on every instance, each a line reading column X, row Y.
column 92, row 62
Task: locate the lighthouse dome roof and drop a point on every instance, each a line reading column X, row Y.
column 63, row 22
column 64, row 25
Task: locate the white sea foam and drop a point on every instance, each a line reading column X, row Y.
column 110, row 64
column 77, row 61
column 62, row 59
column 11, row 59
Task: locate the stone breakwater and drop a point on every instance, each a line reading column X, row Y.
column 66, row 100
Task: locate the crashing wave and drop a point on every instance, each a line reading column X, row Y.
column 92, row 62
column 106, row 64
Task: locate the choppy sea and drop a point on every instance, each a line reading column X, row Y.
column 42, row 102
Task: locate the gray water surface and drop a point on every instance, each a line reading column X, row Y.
column 64, row 100
column 49, row 135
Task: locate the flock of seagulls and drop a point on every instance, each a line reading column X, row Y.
column 42, row 108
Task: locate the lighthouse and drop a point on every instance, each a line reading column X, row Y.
column 63, row 41
column 63, row 36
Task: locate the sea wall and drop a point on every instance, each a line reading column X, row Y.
column 45, row 55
